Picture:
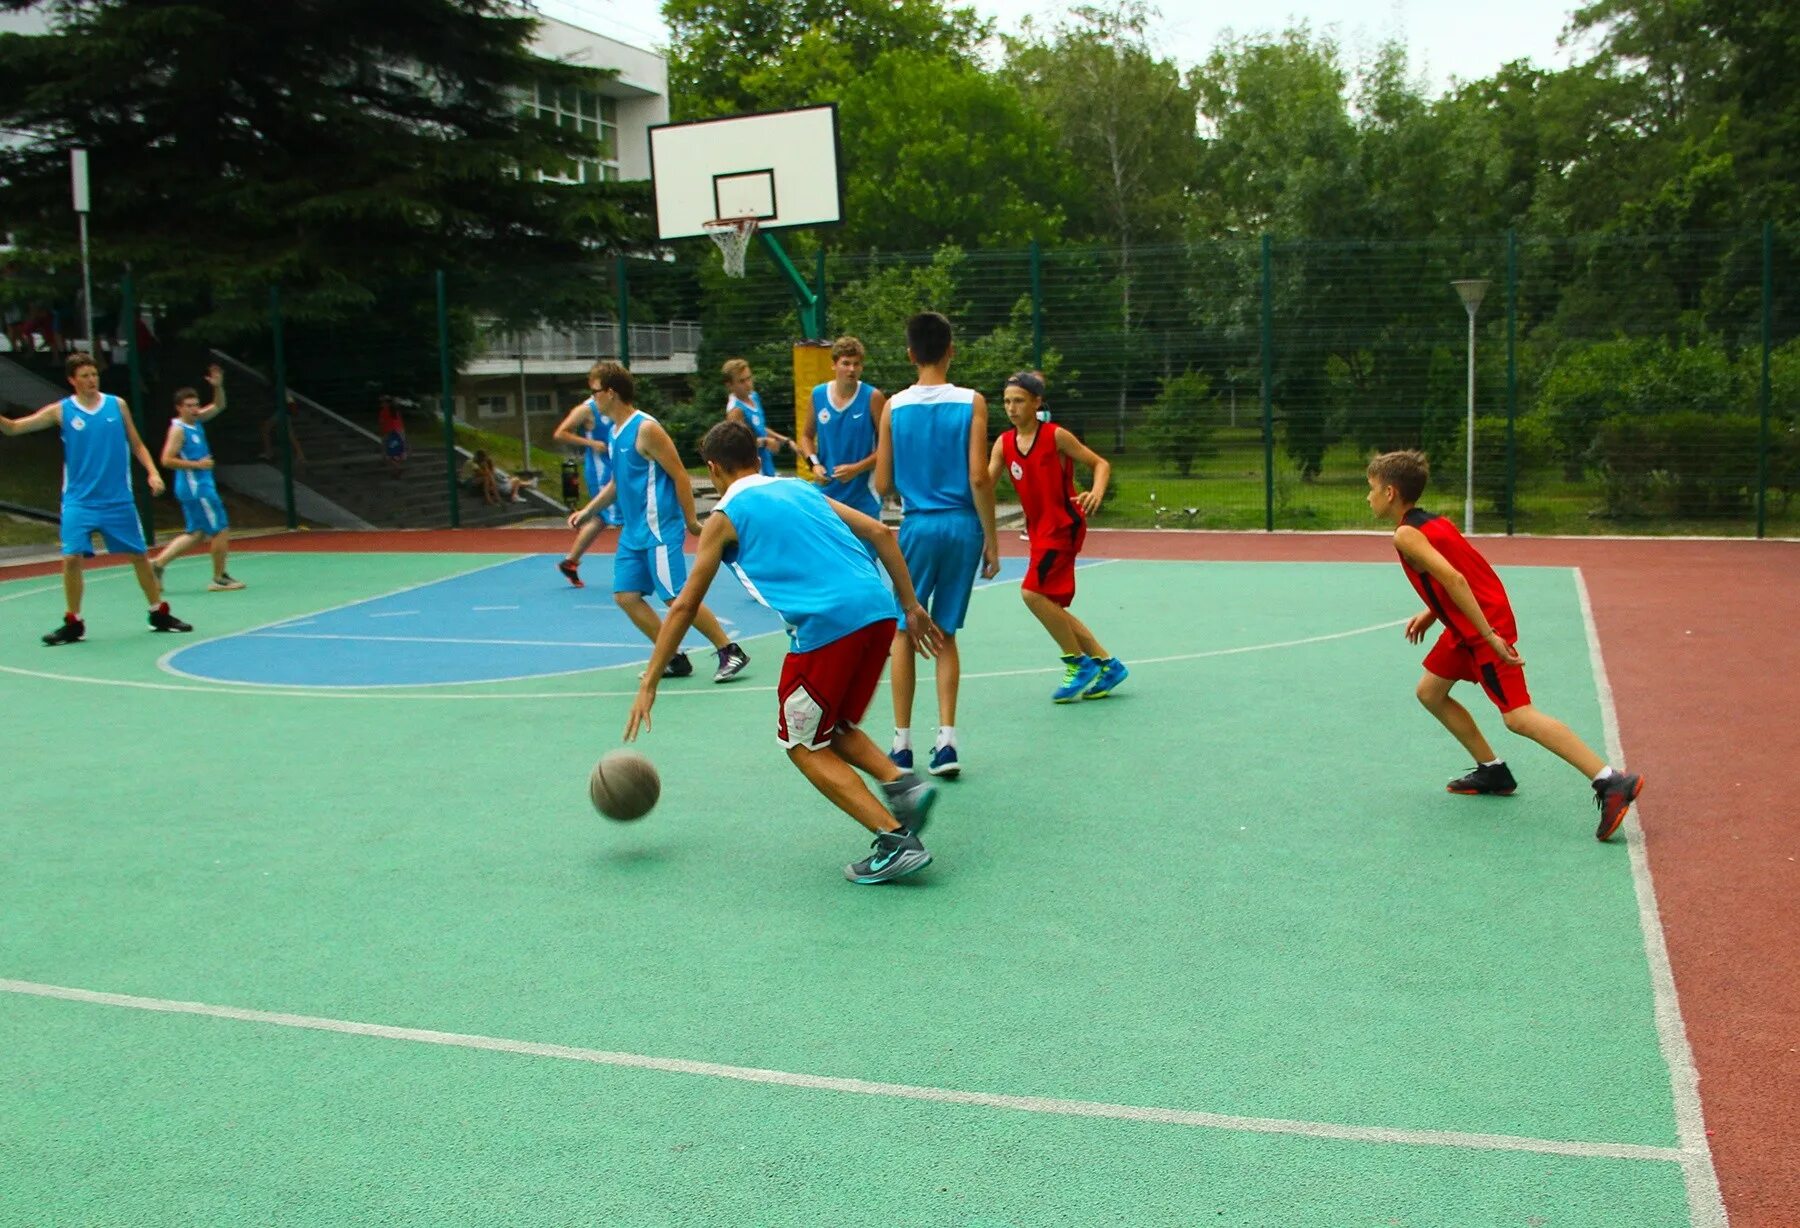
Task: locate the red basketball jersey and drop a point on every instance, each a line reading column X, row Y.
column 1490, row 594
column 1045, row 481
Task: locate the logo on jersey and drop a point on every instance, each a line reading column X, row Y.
column 824, row 416
column 1018, row 471
column 80, row 424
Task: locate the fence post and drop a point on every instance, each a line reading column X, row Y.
column 1512, row 379
column 128, row 321
column 449, row 399
column 1762, row 389
column 1268, row 382
column 1037, row 306
column 622, row 283
column 283, row 423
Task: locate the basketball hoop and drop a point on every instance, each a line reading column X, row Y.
column 733, row 235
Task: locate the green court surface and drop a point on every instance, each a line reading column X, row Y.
column 1218, row 950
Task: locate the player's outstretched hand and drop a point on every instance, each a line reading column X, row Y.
column 640, row 711
column 1088, row 502
column 1418, row 625
column 927, row 636
column 156, row 483
column 1507, row 653
column 990, row 562
column 215, row 375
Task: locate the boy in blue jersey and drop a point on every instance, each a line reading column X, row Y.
column 934, row 452
column 587, row 428
column 99, row 441
column 812, row 561
column 187, row 452
column 657, row 501
column 743, row 404
column 839, row 442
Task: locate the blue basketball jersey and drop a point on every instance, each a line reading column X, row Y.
column 599, row 467
column 930, row 428
column 192, row 483
column 847, row 435
column 647, row 498
column 798, row 557
column 759, row 425
column 96, row 454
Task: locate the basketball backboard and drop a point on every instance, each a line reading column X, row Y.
column 780, row 167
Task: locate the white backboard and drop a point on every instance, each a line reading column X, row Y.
column 780, row 167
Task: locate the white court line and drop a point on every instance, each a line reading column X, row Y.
column 482, row 608
column 439, row 639
column 394, row 614
column 864, row 1087
column 88, row 577
column 1706, row 1204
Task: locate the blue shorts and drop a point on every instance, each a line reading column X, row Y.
column 651, row 569
column 943, row 553
column 205, row 513
column 394, row 445
column 118, row 527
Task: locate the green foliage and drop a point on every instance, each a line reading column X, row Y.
column 1534, row 447
column 1638, row 378
column 1181, row 421
column 1684, row 463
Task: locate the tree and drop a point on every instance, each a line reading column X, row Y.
column 325, row 145
column 1182, row 419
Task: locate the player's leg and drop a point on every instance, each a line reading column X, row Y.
column 832, row 776
column 1555, row 737
column 1613, row 791
column 1434, row 693
column 178, row 546
column 958, row 551
column 639, row 611
column 668, row 566
column 903, row 673
column 1056, row 620
column 72, row 584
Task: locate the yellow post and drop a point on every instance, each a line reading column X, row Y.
column 812, row 367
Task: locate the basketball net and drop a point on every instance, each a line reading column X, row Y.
column 733, row 235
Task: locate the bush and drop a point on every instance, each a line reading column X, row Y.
column 1688, row 464
column 1534, row 443
column 1181, row 421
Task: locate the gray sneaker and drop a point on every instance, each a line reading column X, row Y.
column 897, row 853
column 911, row 800
column 732, row 660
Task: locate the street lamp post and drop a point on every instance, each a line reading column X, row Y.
column 78, row 175
column 1471, row 291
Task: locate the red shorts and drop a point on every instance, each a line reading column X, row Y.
column 1052, row 567
column 828, row 689
column 1504, row 684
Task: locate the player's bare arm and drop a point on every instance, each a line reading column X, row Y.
column 1088, row 500
column 884, row 457
column 171, row 452
column 44, row 419
column 1419, row 624
column 656, row 443
column 1414, row 547
column 877, row 408
column 154, row 475
column 215, row 375
column 927, row 637
column 718, row 534
column 996, row 463
column 981, row 486
column 570, row 433
column 603, row 498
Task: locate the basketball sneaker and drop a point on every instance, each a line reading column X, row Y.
column 901, row 759
column 571, row 572
column 943, row 763
column 1112, row 673
column 911, row 800
column 162, row 620
column 896, row 853
column 1614, row 796
column 1079, row 674
column 70, row 632
column 678, row 667
column 223, row 583
column 1494, row 778
column 732, row 660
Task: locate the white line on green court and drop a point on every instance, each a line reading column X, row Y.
column 864, row 1087
column 1706, row 1203
column 438, row 639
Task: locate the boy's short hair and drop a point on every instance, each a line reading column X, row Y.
column 615, row 379
column 1407, row 472
column 928, row 336
column 847, row 347
column 731, row 446
column 594, row 371
column 182, row 394
column 733, row 368
column 78, row 360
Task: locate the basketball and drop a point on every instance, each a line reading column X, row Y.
column 624, row 785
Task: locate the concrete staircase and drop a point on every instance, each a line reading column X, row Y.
column 25, row 390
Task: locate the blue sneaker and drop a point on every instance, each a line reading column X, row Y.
column 943, row 762
column 1111, row 673
column 901, row 759
column 1080, row 675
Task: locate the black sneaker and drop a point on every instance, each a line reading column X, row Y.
column 897, row 853
column 911, row 800
column 678, row 667
column 162, row 620
column 1614, row 796
column 70, row 632
column 732, row 660
column 1494, row 778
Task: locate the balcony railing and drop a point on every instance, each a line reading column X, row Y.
column 588, row 340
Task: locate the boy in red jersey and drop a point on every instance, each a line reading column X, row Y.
column 1479, row 642
column 1040, row 457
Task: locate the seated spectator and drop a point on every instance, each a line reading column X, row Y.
column 493, row 486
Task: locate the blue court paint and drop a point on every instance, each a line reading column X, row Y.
column 516, row 620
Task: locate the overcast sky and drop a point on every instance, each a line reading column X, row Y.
column 1446, row 38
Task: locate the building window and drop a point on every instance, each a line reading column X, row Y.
column 539, row 403
column 494, row 406
column 594, row 116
